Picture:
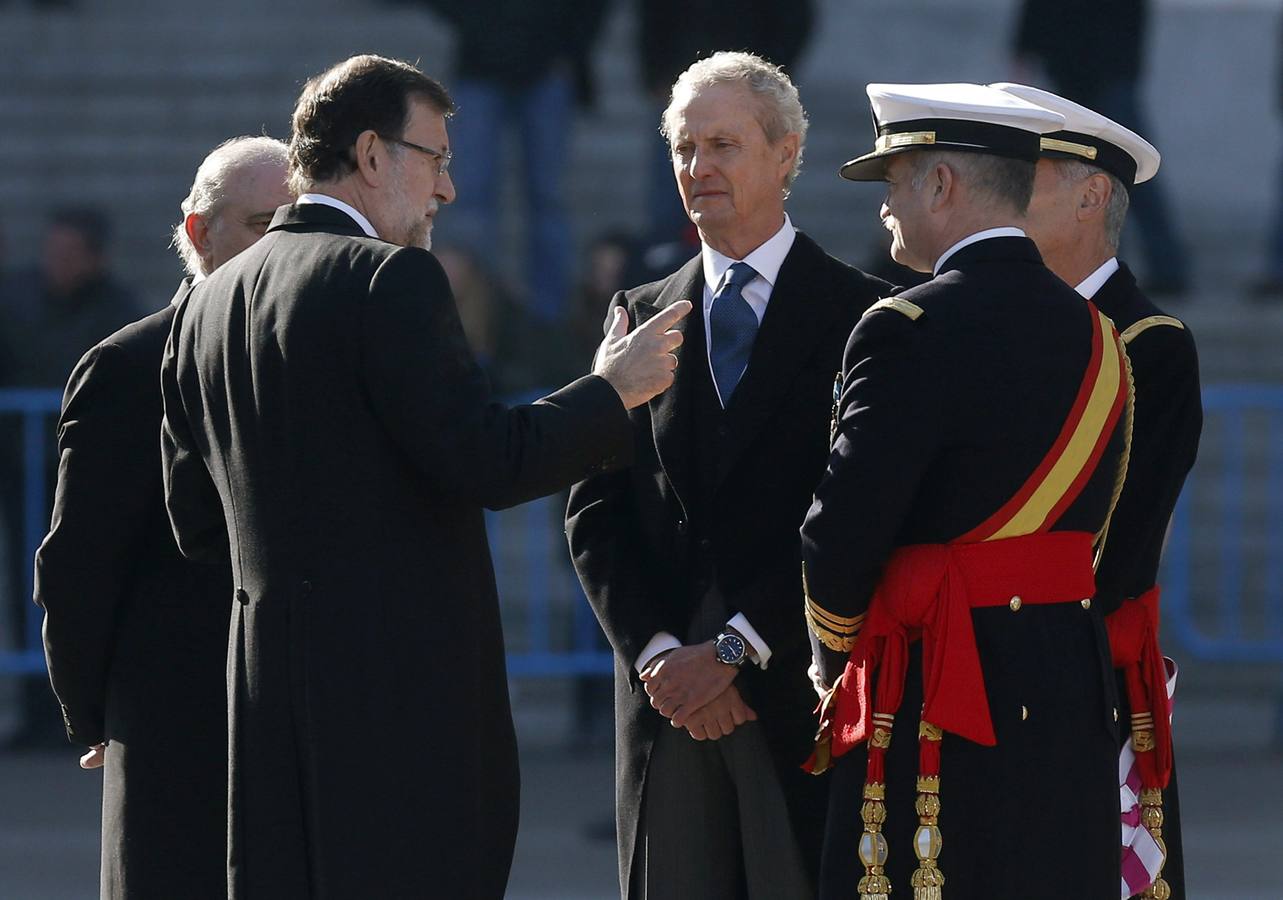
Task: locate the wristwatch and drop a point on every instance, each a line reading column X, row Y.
column 730, row 649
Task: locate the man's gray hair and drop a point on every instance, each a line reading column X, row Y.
column 210, row 185
column 781, row 109
column 999, row 179
column 1119, row 200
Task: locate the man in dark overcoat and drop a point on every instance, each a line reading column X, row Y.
column 690, row 557
column 980, row 440
column 1080, row 203
column 136, row 635
column 324, row 414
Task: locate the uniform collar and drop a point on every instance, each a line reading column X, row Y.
column 1096, row 280
column 1005, row 231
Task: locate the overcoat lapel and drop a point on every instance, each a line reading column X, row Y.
column 801, row 310
column 671, row 411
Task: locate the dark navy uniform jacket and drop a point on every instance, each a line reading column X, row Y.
column 952, row 397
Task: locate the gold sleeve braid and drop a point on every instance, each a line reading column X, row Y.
column 834, row 631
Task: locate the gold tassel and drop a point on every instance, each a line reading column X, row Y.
column 1151, row 816
column 928, row 881
column 873, row 844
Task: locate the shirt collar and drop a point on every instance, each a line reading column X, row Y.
column 1096, row 280
column 1006, row 231
column 327, row 200
column 766, row 260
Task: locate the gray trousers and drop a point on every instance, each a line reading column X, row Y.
column 714, row 823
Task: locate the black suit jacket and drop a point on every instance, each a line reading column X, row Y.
column 135, row 635
column 714, row 501
column 943, row 417
column 323, row 411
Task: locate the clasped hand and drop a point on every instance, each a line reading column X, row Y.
column 694, row 691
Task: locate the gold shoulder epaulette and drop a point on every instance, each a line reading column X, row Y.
column 1147, row 323
column 903, row 307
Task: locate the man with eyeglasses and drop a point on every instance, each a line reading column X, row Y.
column 135, row 635
column 324, row 414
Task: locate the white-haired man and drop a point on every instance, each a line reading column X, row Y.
column 690, row 557
column 980, row 437
column 135, row 635
column 1080, row 202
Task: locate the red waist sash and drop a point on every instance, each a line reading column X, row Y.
column 928, row 591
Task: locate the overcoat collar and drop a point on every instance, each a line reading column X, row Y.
column 671, row 411
column 314, row 217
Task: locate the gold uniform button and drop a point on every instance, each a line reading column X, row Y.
column 1015, row 603
column 1115, row 713
column 1024, row 713
column 1086, row 602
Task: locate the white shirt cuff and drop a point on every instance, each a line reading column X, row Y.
column 658, row 644
column 740, row 623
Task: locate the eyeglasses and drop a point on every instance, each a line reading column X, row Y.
column 442, row 159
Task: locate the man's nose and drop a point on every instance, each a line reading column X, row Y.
column 445, row 188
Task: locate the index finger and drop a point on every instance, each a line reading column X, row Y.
column 668, row 316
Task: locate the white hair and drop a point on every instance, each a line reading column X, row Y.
column 210, row 185
column 1119, row 200
column 781, row 109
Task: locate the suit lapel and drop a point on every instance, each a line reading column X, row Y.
column 799, row 313
column 671, row 411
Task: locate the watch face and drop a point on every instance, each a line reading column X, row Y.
column 730, row 649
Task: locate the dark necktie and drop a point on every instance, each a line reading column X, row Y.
column 732, row 325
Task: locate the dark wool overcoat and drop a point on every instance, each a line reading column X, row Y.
column 136, row 635
column 323, row 411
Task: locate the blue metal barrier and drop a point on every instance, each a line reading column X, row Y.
column 1223, row 568
column 34, row 407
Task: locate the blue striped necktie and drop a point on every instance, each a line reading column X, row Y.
column 732, row 325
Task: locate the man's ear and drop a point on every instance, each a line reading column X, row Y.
column 370, row 156
column 788, row 150
column 1093, row 197
column 197, row 228
column 940, row 185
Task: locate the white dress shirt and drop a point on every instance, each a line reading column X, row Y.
column 327, row 200
column 1096, row 280
column 766, row 261
column 1006, row 231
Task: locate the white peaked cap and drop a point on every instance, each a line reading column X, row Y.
column 1091, row 137
column 966, row 117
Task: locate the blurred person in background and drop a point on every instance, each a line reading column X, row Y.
column 522, row 69
column 324, row 414
column 671, row 35
column 49, row 314
column 691, row 557
column 136, row 635
column 1268, row 286
column 1093, row 52
column 1076, row 218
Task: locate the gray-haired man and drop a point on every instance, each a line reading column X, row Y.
column 135, row 635
column 691, row 557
